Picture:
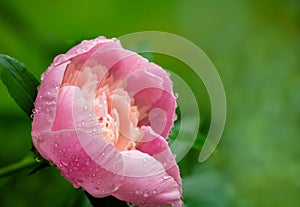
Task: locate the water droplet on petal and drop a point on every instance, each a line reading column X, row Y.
column 145, row 160
column 64, row 163
column 77, row 183
column 165, row 177
column 154, row 191
column 146, row 193
column 137, row 191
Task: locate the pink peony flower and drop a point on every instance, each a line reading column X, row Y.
column 102, row 116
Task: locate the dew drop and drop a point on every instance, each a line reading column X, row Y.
column 168, row 139
column 77, row 183
column 81, row 50
column 145, row 160
column 154, row 191
column 146, row 193
column 87, row 163
column 93, row 175
column 64, row 163
column 51, row 162
column 87, row 175
column 85, row 107
column 165, row 177
column 31, row 116
column 137, row 191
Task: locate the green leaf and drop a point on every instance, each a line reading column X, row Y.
column 20, row 83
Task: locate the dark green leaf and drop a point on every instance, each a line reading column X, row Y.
column 20, row 83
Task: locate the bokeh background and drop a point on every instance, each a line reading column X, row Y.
column 255, row 46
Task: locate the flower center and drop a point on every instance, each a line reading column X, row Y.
column 112, row 106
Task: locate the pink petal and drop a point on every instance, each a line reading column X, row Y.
column 151, row 88
column 64, row 149
column 45, row 103
column 146, row 183
column 82, row 142
column 156, row 146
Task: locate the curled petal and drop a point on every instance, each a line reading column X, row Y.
column 146, row 183
column 157, row 147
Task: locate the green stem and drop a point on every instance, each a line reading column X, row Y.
column 27, row 161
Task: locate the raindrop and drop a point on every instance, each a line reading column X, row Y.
column 146, row 193
column 165, row 177
column 137, row 191
column 87, row 175
column 176, row 95
column 129, row 204
column 97, row 189
column 81, row 50
column 170, row 158
column 145, row 160
column 154, row 191
column 85, row 107
column 93, row 175
column 51, row 162
column 64, row 163
column 168, row 139
column 77, row 183
column 32, row 116
column 87, row 163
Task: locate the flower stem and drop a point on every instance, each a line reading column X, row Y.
column 27, row 161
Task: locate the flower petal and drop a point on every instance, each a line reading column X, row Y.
column 156, row 146
column 63, row 148
column 45, row 103
column 76, row 132
column 146, row 183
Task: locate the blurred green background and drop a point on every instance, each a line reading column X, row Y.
column 255, row 46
